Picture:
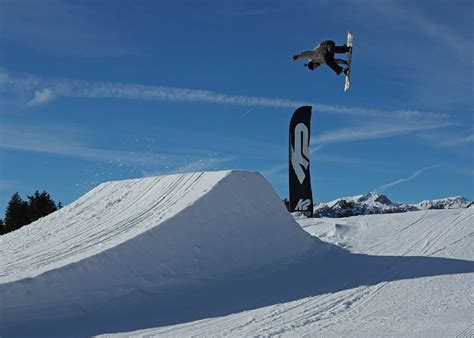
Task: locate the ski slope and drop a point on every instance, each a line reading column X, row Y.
column 399, row 275
column 130, row 246
column 216, row 253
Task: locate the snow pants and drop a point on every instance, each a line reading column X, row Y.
column 329, row 55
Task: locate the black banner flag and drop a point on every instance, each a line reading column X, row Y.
column 301, row 195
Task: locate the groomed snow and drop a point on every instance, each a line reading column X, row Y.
column 128, row 248
column 215, row 254
column 399, row 275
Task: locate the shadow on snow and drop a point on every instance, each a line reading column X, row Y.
column 325, row 270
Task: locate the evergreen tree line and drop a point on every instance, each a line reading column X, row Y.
column 20, row 212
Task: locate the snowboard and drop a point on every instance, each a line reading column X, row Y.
column 349, row 62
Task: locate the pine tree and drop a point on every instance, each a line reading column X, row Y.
column 20, row 213
column 16, row 214
column 40, row 205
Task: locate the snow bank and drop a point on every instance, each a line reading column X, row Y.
column 143, row 236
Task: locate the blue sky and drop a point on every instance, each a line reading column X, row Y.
column 92, row 91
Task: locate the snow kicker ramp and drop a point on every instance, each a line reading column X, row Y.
column 142, row 237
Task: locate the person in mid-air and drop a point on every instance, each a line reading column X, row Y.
column 324, row 53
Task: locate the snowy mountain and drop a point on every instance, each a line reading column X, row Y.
column 374, row 203
column 457, row 202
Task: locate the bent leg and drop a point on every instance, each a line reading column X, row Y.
column 329, row 59
column 340, row 49
column 340, row 61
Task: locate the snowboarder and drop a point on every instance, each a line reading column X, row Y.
column 324, row 53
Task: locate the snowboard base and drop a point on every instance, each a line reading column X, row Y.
column 347, row 84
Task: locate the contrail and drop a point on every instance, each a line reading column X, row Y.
column 406, row 179
column 43, row 91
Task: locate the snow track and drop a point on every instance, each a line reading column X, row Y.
column 405, row 294
column 137, row 243
column 103, row 218
column 418, row 233
column 214, row 254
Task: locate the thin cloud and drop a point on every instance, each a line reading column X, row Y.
column 63, row 141
column 448, row 140
column 406, row 179
column 374, row 131
column 41, row 97
column 246, row 113
column 435, row 30
column 276, row 169
column 403, row 13
column 316, row 148
column 24, row 84
column 328, row 158
column 62, row 27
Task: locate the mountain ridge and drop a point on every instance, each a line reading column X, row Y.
column 375, row 203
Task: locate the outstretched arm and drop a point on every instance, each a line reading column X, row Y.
column 306, row 54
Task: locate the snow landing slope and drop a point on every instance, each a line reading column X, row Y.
column 112, row 258
column 407, row 275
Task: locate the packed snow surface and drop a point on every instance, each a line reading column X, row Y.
column 394, row 275
column 129, row 246
column 217, row 254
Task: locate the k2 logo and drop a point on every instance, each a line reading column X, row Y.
column 300, row 151
column 302, row 205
